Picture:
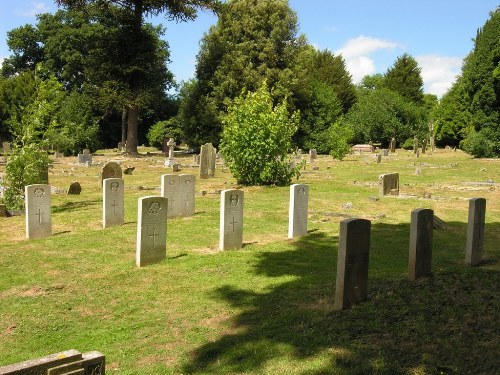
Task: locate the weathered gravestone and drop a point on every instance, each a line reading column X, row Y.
column 231, row 219
column 475, row 231
column 170, row 189
column 164, row 146
column 424, row 145
column 298, row 210
column 378, row 158
column 37, row 203
column 3, row 210
column 389, row 184
column 121, row 146
column 420, row 258
column 128, row 170
column 313, row 154
column 170, row 161
column 111, row 170
column 84, row 158
column 385, row 152
column 113, row 196
column 187, row 193
column 69, row 362
column 196, row 159
column 75, row 189
column 151, row 230
column 207, row 161
column 352, row 264
column 392, row 145
column 415, row 144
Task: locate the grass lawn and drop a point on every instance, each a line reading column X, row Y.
column 268, row 307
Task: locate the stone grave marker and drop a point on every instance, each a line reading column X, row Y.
column 424, row 145
column 385, row 152
column 170, row 161
column 392, row 145
column 298, row 210
column 164, row 146
column 420, row 258
column 415, row 144
column 86, row 151
column 111, row 170
column 121, row 146
column 475, row 231
column 231, row 219
column 37, row 203
column 170, row 189
column 151, row 230
column 113, row 198
column 207, row 161
column 352, row 264
column 378, row 158
column 313, row 155
column 176, row 167
column 389, row 184
column 69, row 362
column 84, row 158
column 75, row 188
column 187, row 193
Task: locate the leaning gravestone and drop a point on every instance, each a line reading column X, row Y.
column 113, row 196
column 298, row 210
column 37, row 202
column 75, row 189
column 389, row 184
column 420, row 258
column 207, row 161
column 111, row 170
column 187, row 192
column 170, row 189
column 151, row 231
column 475, row 231
column 231, row 219
column 352, row 264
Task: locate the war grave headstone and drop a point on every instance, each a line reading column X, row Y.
column 298, row 210
column 69, row 362
column 75, row 188
column 207, row 160
column 352, row 264
column 170, row 189
column 385, row 152
column 113, row 202
column 110, row 170
column 170, row 161
column 231, row 219
column 475, row 231
column 37, row 204
column 419, row 263
column 187, row 194
column 151, row 230
column 389, row 184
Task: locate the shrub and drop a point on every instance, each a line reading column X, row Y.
column 478, row 145
column 257, row 139
column 338, row 137
column 164, row 129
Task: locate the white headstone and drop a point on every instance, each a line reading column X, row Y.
column 170, row 189
column 187, row 193
column 112, row 202
column 297, row 213
column 151, row 230
column 231, row 219
column 37, row 202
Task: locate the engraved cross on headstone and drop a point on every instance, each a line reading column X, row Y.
column 153, row 236
column 40, row 216
column 114, row 206
column 233, row 222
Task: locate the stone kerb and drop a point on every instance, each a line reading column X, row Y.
column 113, row 202
column 419, row 263
column 352, row 265
column 389, row 184
column 231, row 219
column 38, row 212
column 475, row 231
column 151, row 230
column 298, row 210
column 110, row 170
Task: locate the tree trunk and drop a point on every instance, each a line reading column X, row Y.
column 124, row 125
column 133, row 117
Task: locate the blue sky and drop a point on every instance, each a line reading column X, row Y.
column 370, row 34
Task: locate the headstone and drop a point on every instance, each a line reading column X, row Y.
column 86, row 151
column 421, row 227
column 113, row 195
column 75, row 189
column 389, row 184
column 415, row 144
column 88, row 164
column 475, row 231
column 84, row 158
column 298, row 210
column 69, row 362
column 170, row 189
column 187, row 193
column 151, row 230
column 231, row 219
column 6, row 147
column 38, row 219
column 207, row 161
column 128, row 170
column 111, row 170
column 352, row 264
column 196, row 159
column 176, row 167
column 393, row 145
column 378, row 158
column 424, row 145
column 170, row 161
column 432, row 143
column 385, row 152
column 164, row 146
column 313, row 154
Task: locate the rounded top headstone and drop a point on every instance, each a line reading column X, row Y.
column 111, row 170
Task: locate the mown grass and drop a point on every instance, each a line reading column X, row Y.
column 267, row 308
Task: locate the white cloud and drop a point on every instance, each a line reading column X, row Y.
column 1, row 61
column 359, row 67
column 330, row 29
column 36, row 7
column 439, row 72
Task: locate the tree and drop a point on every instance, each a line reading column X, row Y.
column 135, row 48
column 405, row 79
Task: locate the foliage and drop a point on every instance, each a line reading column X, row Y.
column 479, row 144
column 338, row 139
column 404, row 78
column 256, row 140
column 164, row 129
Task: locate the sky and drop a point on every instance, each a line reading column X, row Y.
column 370, row 34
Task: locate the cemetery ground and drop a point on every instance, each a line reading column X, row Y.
column 268, row 307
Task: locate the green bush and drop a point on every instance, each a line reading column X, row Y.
column 478, row 145
column 257, row 139
column 337, row 140
column 408, row 144
column 164, row 129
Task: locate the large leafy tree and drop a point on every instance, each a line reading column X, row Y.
column 133, row 52
column 404, row 78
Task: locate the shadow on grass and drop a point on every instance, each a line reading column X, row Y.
column 75, row 206
column 445, row 324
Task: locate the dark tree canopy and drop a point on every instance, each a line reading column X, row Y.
column 405, row 79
